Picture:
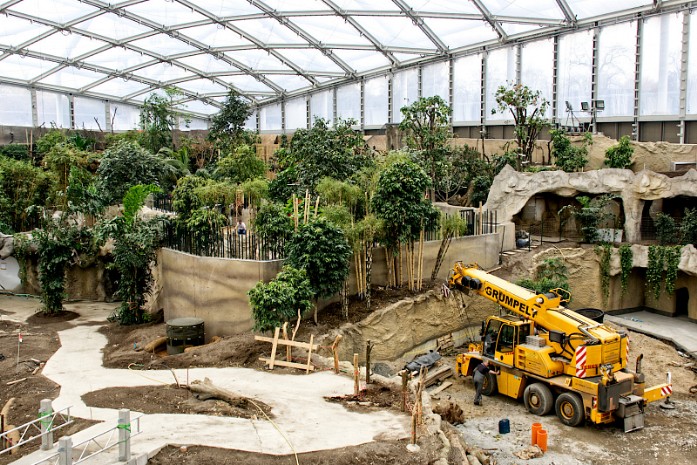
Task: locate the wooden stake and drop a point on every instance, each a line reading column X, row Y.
column 368, row 349
column 274, row 344
column 295, row 212
column 306, row 209
column 356, row 376
column 335, row 351
column 421, row 260
column 288, row 348
column 316, row 207
column 405, row 377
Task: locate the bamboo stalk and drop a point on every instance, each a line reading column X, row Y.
column 306, row 209
column 295, row 212
column 356, row 376
column 316, row 206
column 421, row 259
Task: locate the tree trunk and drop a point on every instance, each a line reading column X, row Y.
column 207, row 390
column 344, row 299
column 442, row 250
column 368, row 272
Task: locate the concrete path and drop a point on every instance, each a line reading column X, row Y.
column 680, row 331
column 302, row 417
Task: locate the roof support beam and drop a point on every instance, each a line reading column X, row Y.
column 568, row 12
column 489, row 19
column 421, row 24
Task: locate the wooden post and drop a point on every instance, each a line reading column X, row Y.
column 356, row 376
column 405, row 378
column 335, row 352
column 413, row 428
column 309, row 354
column 289, row 351
column 368, row 350
column 274, row 344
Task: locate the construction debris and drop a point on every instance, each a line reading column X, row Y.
column 438, row 375
column 529, row 452
column 452, row 413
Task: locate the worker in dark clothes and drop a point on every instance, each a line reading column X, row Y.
column 480, row 372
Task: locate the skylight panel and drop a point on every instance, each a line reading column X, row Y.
column 117, row 58
column 246, row 83
column 331, row 30
column 163, row 72
column 119, row 87
column 258, row 60
column 24, row 68
column 66, row 45
column 457, row 33
column 297, row 5
column 289, row 82
column 513, row 28
column 269, row 31
column 202, row 86
column 590, row 8
column 16, row 31
column 207, row 63
column 162, row 44
column 112, row 26
column 72, row 78
column 59, row 11
column 197, row 106
column 397, row 32
column 164, row 12
column 443, row 6
column 365, row 5
column 311, row 60
column 215, row 35
column 362, row 60
column 226, row 7
column 548, row 9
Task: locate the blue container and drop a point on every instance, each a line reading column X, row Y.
column 504, row 426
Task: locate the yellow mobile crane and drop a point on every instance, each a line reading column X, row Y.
column 547, row 352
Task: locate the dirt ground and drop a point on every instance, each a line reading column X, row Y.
column 670, row 436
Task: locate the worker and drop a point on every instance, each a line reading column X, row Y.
column 480, row 372
column 241, row 228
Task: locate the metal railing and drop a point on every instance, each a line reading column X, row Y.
column 72, row 454
column 48, row 422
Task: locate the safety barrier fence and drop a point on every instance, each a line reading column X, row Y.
column 41, row 428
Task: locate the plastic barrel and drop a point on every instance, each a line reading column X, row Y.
column 542, row 440
column 184, row 332
column 536, row 427
column 504, row 426
column 594, row 314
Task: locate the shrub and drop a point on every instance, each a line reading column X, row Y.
column 124, row 165
column 568, row 157
column 666, row 229
column 620, row 155
column 281, row 299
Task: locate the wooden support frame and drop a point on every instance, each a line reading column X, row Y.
column 275, row 342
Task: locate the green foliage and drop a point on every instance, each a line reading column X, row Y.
column 184, row 198
column 480, row 189
column 528, row 108
column 214, row 194
column 82, row 193
column 228, row 124
column 452, row 225
column 135, row 199
column 242, row 165
column 427, row 128
column 315, row 153
column 114, row 138
column 285, row 185
column 157, row 120
column 49, row 140
column 568, row 157
column 21, row 187
column 399, row 202
column 654, row 271
column 16, row 151
column 273, row 226
column 340, row 216
column 688, row 227
column 205, row 224
column 620, row 155
column 604, row 251
column 256, row 191
column 281, row 299
column 671, row 259
column 550, row 274
column 590, row 215
column 320, row 248
column 60, row 160
column 124, row 165
column 460, row 166
column 626, row 264
column 666, row 229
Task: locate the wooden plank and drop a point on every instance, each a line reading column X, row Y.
column 281, row 363
column 440, row 388
column 302, row 345
column 309, row 352
column 273, row 348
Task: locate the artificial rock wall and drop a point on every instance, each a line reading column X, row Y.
column 511, row 190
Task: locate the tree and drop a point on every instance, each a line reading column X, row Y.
column 620, row 155
column 228, row 124
column 281, row 299
column 528, row 108
column 273, row 226
column 426, row 125
column 157, row 120
column 568, row 157
column 124, row 165
column 320, row 248
column 242, row 165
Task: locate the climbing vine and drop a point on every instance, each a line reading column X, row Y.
column 654, row 271
column 604, row 251
column 671, row 258
column 626, row 259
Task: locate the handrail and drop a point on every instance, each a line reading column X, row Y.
column 36, row 425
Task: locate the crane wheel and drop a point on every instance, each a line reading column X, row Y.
column 569, row 407
column 490, row 386
column 538, row 399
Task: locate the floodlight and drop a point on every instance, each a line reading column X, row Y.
column 585, row 106
column 600, row 105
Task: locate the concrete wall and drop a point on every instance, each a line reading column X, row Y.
column 214, row 289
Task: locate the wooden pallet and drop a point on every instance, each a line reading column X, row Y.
column 275, row 342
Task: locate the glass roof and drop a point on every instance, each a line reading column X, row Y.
column 125, row 49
